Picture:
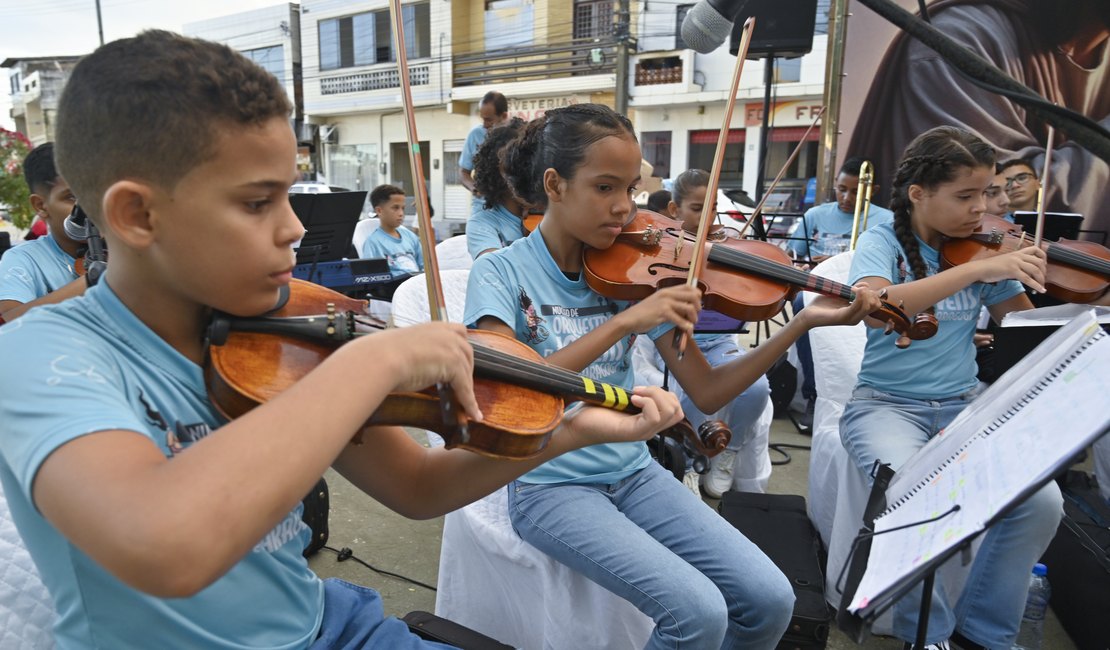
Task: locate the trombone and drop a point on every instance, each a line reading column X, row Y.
column 863, row 200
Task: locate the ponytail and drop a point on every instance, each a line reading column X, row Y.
column 557, row 140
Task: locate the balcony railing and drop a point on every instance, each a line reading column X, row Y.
column 372, row 80
column 590, row 56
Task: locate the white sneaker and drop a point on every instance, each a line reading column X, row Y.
column 691, row 480
column 943, row 645
column 718, row 479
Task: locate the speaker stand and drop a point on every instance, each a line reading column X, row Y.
column 768, row 79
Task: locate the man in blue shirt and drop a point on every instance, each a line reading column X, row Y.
column 825, row 231
column 827, row 228
column 41, row 271
column 494, row 111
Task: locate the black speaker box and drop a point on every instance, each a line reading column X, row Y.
column 783, row 28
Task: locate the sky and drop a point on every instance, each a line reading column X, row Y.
column 68, row 27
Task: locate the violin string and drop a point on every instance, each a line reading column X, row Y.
column 524, row 370
column 1083, row 260
column 776, row 271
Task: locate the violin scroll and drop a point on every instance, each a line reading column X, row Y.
column 710, row 439
column 921, row 327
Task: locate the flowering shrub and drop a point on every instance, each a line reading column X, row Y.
column 14, row 194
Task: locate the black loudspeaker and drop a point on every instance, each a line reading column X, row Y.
column 783, row 28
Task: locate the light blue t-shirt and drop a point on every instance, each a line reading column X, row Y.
column 474, row 139
column 88, row 365
column 403, row 252
column 939, row 367
column 524, row 288
column 34, row 269
column 493, row 228
column 829, row 229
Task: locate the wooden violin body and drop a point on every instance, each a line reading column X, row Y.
column 653, row 253
column 745, row 279
column 1077, row 271
column 250, row 368
column 251, row 361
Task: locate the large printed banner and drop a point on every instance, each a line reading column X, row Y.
column 895, row 88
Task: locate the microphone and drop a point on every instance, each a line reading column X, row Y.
column 709, row 23
column 76, row 225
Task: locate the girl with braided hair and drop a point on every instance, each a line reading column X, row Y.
column 611, row 512
column 904, row 398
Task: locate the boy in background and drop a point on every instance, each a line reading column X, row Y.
column 41, row 272
column 397, row 244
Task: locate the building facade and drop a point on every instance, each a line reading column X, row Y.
column 35, row 85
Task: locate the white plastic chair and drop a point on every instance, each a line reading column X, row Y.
column 452, row 253
column 362, row 231
column 838, row 491
column 494, row 582
column 26, row 610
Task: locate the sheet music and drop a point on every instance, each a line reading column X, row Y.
column 1019, row 432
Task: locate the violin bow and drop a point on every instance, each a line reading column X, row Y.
column 697, row 261
column 758, row 212
column 1044, row 186
column 437, row 305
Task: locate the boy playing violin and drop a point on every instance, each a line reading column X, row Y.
column 182, row 153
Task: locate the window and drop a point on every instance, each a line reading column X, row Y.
column 508, row 23
column 703, row 146
column 16, row 82
column 680, row 15
column 451, row 175
column 821, row 26
column 788, row 70
column 271, row 59
column 365, row 39
column 593, row 18
column 657, row 151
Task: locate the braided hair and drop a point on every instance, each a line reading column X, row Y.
column 488, row 179
column 557, row 140
column 932, row 158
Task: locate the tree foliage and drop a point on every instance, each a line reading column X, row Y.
column 14, row 194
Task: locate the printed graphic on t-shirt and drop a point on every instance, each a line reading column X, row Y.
column 568, row 324
column 404, row 262
column 179, row 436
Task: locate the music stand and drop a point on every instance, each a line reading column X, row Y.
column 329, row 221
column 1007, row 407
column 1056, row 224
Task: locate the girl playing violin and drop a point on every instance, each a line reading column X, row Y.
column 499, row 222
column 609, row 511
column 744, row 465
column 905, row 397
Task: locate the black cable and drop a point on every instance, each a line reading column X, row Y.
column 344, row 554
column 781, row 448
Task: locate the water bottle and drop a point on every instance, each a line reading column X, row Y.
column 1032, row 621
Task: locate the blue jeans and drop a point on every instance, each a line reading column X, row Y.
column 879, row 426
column 805, row 355
column 354, row 619
column 653, row 543
column 741, row 415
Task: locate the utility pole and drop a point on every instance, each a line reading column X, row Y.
column 99, row 23
column 624, row 43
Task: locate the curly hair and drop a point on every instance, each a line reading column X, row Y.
column 558, row 140
column 488, row 179
column 932, row 158
column 153, row 107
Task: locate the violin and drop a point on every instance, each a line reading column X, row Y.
column 1077, row 271
column 251, row 360
column 746, row 279
column 531, row 222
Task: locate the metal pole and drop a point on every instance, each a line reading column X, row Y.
column 99, row 23
column 768, row 79
column 834, row 75
column 623, row 38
